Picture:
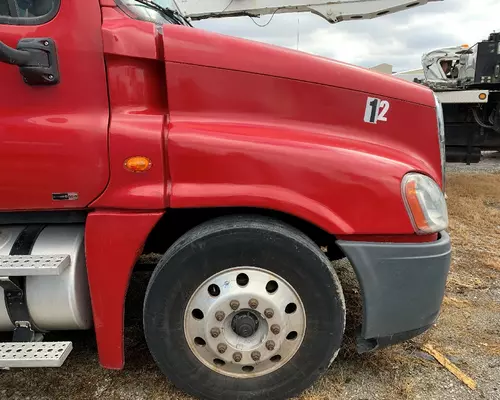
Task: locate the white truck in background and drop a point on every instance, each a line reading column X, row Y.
column 467, row 82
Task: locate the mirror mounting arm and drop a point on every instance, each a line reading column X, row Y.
column 36, row 58
column 13, row 56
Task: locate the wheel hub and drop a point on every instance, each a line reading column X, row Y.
column 244, row 322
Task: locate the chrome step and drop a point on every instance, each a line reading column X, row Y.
column 33, row 265
column 34, row 354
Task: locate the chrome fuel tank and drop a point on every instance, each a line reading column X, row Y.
column 60, row 302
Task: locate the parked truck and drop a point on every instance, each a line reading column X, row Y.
column 124, row 130
column 467, row 82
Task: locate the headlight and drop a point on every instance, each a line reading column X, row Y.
column 442, row 146
column 425, row 203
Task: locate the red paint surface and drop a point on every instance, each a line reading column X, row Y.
column 113, row 242
column 54, row 138
column 199, row 47
column 240, row 137
column 137, row 127
column 122, row 35
column 391, row 238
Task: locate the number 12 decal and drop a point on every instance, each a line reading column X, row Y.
column 376, row 110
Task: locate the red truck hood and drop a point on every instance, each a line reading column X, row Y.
column 252, row 125
column 199, row 47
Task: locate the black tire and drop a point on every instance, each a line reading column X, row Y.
column 243, row 241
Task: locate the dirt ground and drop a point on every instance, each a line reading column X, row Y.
column 467, row 332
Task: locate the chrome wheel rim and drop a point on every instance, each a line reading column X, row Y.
column 244, row 322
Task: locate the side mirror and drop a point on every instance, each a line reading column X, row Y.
column 36, row 59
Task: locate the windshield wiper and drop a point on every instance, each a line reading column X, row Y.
column 172, row 14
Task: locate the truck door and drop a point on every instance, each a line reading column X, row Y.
column 53, row 104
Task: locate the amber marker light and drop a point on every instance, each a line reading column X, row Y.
column 137, row 164
column 414, row 206
column 482, row 96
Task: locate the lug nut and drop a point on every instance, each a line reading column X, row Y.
column 270, row 345
column 219, row 315
column 221, row 347
column 255, row 355
column 215, row 332
column 253, row 303
column 234, row 304
column 268, row 312
column 237, row 357
column 275, row 329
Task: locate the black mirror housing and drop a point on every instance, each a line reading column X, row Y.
column 36, row 59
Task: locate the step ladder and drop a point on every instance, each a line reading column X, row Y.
column 31, row 353
column 34, row 354
column 33, row 265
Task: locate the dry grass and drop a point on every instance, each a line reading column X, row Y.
column 468, row 331
column 474, row 208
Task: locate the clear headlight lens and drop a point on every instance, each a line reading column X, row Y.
column 425, row 203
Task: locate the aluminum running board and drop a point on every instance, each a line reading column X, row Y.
column 33, row 265
column 34, row 354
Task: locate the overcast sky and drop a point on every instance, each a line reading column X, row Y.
column 399, row 39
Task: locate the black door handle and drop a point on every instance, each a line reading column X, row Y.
column 36, row 59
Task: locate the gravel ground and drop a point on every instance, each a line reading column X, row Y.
column 490, row 163
column 467, row 331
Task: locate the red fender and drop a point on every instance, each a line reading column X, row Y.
column 113, row 243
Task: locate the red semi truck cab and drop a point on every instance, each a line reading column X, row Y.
column 124, row 130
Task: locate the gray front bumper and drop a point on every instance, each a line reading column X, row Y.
column 402, row 287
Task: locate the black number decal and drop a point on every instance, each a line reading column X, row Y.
column 374, row 105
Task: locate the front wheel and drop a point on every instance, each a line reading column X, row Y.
column 244, row 308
